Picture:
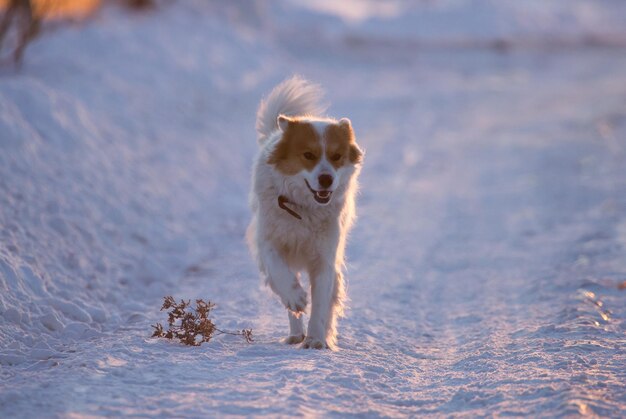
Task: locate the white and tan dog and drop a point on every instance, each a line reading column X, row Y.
column 304, row 183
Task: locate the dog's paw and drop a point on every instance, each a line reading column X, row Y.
column 293, row 339
column 296, row 301
column 314, row 343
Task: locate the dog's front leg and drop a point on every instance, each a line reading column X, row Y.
column 324, row 302
column 296, row 329
column 281, row 280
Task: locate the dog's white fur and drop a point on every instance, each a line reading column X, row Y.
column 286, row 247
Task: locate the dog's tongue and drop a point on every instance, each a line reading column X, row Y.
column 323, row 194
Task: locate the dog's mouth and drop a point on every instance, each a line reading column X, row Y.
column 321, row 197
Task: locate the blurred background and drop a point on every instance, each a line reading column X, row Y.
column 487, row 270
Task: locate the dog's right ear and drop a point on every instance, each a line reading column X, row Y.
column 283, row 121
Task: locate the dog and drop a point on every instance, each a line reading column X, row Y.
column 304, row 182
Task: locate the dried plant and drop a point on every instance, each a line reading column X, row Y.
column 192, row 327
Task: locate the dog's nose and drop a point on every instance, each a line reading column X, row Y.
column 325, row 181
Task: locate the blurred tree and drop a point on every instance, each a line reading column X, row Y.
column 140, row 4
column 19, row 14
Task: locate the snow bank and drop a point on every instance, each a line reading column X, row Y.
column 103, row 142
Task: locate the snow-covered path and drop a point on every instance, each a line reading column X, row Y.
column 484, row 267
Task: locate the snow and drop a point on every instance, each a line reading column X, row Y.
column 484, row 267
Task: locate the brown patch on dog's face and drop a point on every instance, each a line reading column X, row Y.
column 340, row 144
column 298, row 149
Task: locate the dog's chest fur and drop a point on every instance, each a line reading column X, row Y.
column 300, row 241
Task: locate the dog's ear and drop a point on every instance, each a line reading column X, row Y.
column 345, row 122
column 282, row 122
column 356, row 154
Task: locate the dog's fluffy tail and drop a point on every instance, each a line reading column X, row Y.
column 293, row 97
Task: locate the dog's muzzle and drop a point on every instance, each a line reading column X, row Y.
column 321, row 197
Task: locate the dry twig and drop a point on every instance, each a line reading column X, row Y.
column 192, row 327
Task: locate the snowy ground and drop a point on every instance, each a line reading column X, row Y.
column 484, row 267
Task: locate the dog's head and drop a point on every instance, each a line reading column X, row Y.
column 321, row 154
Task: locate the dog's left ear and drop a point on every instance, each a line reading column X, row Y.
column 356, row 154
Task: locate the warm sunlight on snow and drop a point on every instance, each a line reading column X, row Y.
column 355, row 11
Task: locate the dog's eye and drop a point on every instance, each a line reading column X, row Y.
column 335, row 157
column 309, row 156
